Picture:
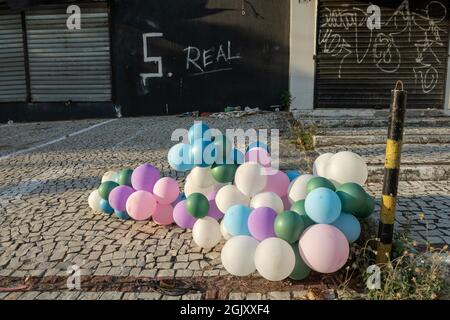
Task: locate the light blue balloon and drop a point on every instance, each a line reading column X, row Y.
column 180, row 157
column 234, row 157
column 203, row 153
column 257, row 144
column 292, row 174
column 349, row 226
column 105, row 207
column 236, row 220
column 323, row 205
column 197, row 131
column 122, row 215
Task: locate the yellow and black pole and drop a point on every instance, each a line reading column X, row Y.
column 391, row 172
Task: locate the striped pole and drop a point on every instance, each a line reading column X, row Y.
column 391, row 172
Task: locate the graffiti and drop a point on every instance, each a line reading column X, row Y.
column 383, row 47
column 147, row 58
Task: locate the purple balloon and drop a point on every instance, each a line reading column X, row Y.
column 144, row 177
column 211, row 195
column 214, row 212
column 118, row 197
column 182, row 217
column 260, row 223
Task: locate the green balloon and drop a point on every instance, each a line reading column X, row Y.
column 125, row 177
column 223, row 173
column 353, row 198
column 197, row 205
column 368, row 208
column 319, row 182
column 299, row 207
column 289, row 226
column 105, row 188
column 301, row 270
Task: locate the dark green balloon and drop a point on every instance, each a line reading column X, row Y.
column 289, row 226
column 223, row 173
column 301, row 270
column 319, row 182
column 197, row 205
column 299, row 207
column 368, row 208
column 125, row 177
column 105, row 188
column 353, row 198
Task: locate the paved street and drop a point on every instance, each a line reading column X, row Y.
column 46, row 224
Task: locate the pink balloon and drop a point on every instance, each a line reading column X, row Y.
column 324, row 248
column 118, row 197
column 141, row 205
column 277, row 182
column 163, row 214
column 166, row 190
column 286, row 203
column 144, row 177
column 214, row 211
column 182, row 217
column 259, row 155
column 211, row 196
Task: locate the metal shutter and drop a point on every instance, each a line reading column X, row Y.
column 12, row 64
column 69, row 64
column 357, row 67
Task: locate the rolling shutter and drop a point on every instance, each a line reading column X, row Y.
column 356, row 67
column 69, row 64
column 12, row 64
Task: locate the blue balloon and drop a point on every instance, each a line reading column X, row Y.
column 236, row 220
column 122, row 215
column 180, row 157
column 323, row 205
column 292, row 174
column 105, row 207
column 197, row 131
column 349, row 226
column 257, row 144
column 203, row 153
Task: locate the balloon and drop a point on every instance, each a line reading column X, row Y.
column 301, row 269
column 206, row 232
column 349, row 226
column 368, row 208
column 286, row 203
column 105, row 189
column 235, row 157
column 257, row 144
column 198, row 130
column 319, row 182
column 125, row 177
column 267, row 199
column 122, row 215
column 180, row 157
column 324, row 248
column 249, row 179
column 180, row 197
column 203, row 153
column 118, row 197
column 297, row 190
column 293, row 174
column 274, row 259
column 236, row 220
column 223, row 146
column 238, row 255
column 299, row 207
column 353, row 198
column 197, row 205
column 260, row 223
column 166, row 190
column 258, row 155
column 226, row 235
column 141, row 205
column 229, row 196
column 320, row 164
column 223, row 173
column 144, row 177
column 94, row 200
column 289, row 226
column 278, row 183
column 213, row 211
column 182, row 217
column 201, row 177
column 163, row 214
column 190, row 187
column 346, row 166
column 105, row 207
column 322, row 205
column 111, row 176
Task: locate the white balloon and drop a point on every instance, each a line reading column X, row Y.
column 320, row 164
column 190, row 187
column 94, row 200
column 267, row 199
column 229, row 196
column 223, row 230
column 201, row 177
column 346, row 166
column 206, row 232
column 110, row 176
column 250, row 178
column 274, row 259
column 297, row 190
column 238, row 255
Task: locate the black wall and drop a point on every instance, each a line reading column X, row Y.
column 251, row 69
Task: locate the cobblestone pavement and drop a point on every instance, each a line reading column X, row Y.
column 47, row 226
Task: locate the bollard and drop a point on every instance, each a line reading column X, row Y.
column 391, row 172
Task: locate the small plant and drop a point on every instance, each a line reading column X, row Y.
column 286, row 100
column 303, row 136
